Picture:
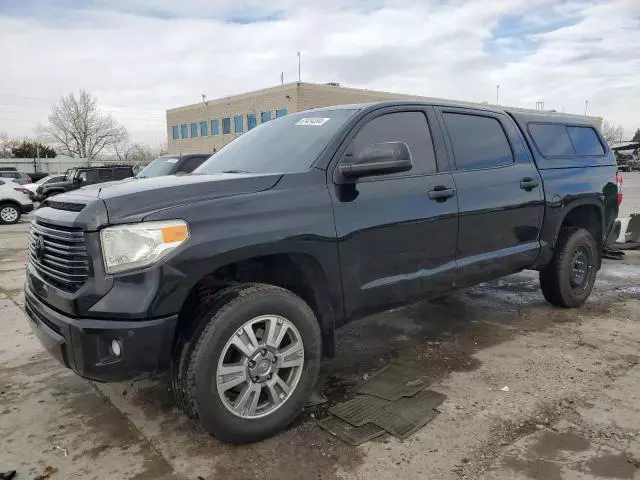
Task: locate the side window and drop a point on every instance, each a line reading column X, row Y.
column 552, row 140
column 190, row 164
column 478, row 142
column 105, row 174
column 409, row 127
column 585, row 141
column 121, row 173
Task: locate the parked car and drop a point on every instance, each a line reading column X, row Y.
column 236, row 277
column 627, row 161
column 173, row 165
column 79, row 177
column 49, row 179
column 18, row 177
column 15, row 200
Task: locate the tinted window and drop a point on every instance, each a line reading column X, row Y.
column 551, row 140
column 88, row 176
column 174, row 132
column 287, row 144
column 478, row 142
column 226, row 125
column 408, row 127
column 121, row 173
column 105, row 174
column 194, row 130
column 237, row 124
column 281, row 112
column 184, row 131
column 265, row 117
column 190, row 164
column 203, row 129
column 214, row 127
column 585, row 141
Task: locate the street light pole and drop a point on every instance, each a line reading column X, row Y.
column 299, row 77
column 586, row 105
column 497, row 94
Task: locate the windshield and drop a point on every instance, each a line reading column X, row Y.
column 284, row 145
column 157, row 168
column 47, row 178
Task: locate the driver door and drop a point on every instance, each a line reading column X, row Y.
column 396, row 244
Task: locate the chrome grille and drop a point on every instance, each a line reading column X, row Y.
column 59, row 255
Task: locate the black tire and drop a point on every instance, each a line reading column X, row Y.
column 9, row 208
column 217, row 322
column 556, row 281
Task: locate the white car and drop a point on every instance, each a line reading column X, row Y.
column 32, row 187
column 15, row 200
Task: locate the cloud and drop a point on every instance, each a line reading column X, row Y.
column 143, row 57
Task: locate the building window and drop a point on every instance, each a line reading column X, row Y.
column 214, row 127
column 194, row 130
column 265, row 117
column 174, row 132
column 203, row 129
column 238, row 124
column 226, row 125
column 251, row 121
column 281, row 112
column 184, row 131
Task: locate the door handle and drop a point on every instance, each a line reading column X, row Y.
column 440, row 193
column 528, row 184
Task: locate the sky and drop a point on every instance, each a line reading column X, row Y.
column 144, row 56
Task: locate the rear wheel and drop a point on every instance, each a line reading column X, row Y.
column 252, row 365
column 568, row 279
column 9, row 213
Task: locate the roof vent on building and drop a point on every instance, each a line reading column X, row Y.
column 333, row 84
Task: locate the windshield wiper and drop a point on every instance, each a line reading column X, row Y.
column 235, row 171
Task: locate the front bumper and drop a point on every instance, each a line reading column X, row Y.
column 26, row 208
column 83, row 345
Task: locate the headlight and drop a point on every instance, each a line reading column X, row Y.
column 125, row 247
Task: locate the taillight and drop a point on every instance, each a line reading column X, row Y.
column 619, row 184
column 23, row 190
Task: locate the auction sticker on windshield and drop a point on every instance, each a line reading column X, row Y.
column 312, row 121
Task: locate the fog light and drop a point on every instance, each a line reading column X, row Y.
column 116, row 347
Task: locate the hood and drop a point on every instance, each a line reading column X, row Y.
column 134, row 198
column 50, row 186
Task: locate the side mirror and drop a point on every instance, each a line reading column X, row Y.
column 378, row 159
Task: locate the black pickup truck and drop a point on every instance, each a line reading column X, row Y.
column 236, row 277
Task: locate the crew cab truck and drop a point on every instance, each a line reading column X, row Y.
column 236, row 277
column 75, row 178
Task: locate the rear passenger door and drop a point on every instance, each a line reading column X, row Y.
column 499, row 192
column 396, row 243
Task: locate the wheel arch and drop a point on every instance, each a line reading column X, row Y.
column 300, row 273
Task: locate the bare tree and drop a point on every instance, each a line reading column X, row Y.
column 77, row 127
column 122, row 149
column 7, row 144
column 612, row 133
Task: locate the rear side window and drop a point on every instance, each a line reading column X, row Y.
column 552, row 140
column 409, row 127
column 121, row 173
column 478, row 142
column 190, row 164
column 105, row 174
column 585, row 141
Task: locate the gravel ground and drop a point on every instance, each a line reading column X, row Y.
column 572, row 409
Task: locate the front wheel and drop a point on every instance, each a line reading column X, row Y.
column 568, row 279
column 9, row 214
column 254, row 363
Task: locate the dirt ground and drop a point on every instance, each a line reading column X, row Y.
column 572, row 409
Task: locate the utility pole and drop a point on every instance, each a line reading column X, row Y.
column 281, row 78
column 206, row 118
column 497, row 94
column 586, row 105
column 299, row 77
